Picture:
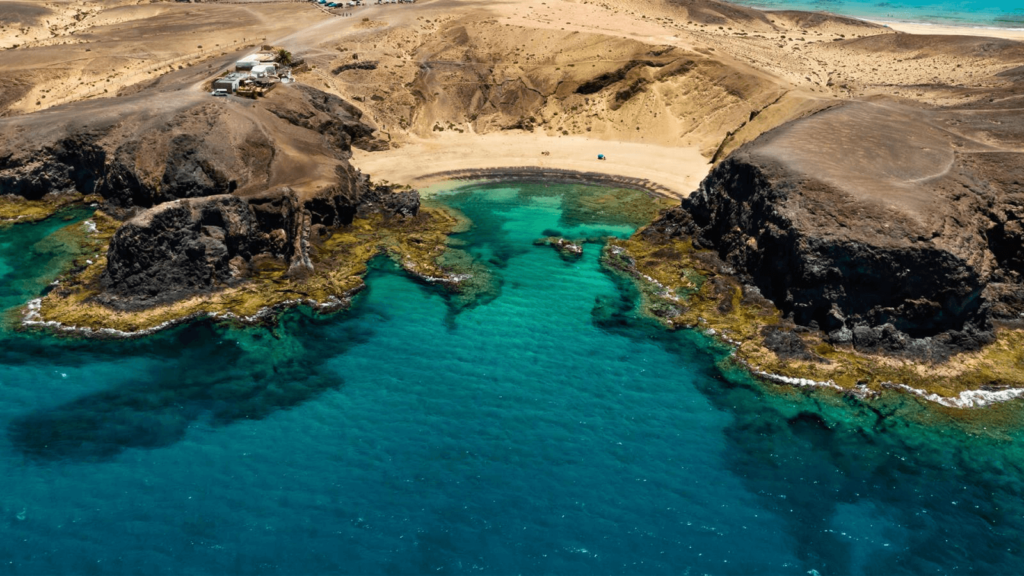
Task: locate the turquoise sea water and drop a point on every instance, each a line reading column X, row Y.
column 548, row 429
column 984, row 13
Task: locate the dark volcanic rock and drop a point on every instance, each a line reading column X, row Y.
column 385, row 200
column 195, row 245
column 185, row 247
column 339, row 122
column 365, row 65
column 72, row 164
column 189, row 173
column 356, row 196
column 878, row 225
column 786, row 344
column 137, row 153
column 190, row 246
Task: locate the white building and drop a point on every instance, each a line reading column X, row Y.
column 264, row 70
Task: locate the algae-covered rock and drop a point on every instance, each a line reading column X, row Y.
column 250, row 291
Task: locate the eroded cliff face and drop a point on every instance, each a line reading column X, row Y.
column 70, row 164
column 886, row 228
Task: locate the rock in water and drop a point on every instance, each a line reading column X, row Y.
column 195, row 245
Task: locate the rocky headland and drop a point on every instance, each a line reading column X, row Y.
column 868, row 244
column 213, row 207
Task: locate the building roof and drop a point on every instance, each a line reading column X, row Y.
column 234, row 76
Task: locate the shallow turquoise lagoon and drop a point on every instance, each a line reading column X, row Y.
column 984, row 13
column 543, row 428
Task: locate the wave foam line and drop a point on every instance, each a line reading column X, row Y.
column 966, row 399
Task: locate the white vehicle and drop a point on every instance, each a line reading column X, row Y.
column 219, row 92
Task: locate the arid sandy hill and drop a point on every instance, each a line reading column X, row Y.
column 866, row 181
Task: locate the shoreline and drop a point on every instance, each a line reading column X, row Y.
column 544, row 175
column 930, row 28
column 968, row 399
column 1015, row 32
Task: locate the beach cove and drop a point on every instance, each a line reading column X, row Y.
column 519, row 430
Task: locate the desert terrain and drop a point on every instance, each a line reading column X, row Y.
column 700, row 77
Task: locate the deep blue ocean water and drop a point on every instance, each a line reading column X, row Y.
column 545, row 428
column 983, row 13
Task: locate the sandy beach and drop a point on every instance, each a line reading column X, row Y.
column 416, row 163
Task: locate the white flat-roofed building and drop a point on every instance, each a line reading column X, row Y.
column 230, row 82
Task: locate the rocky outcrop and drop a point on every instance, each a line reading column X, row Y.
column 190, row 246
column 355, row 196
column 186, row 247
column 338, row 121
column 911, row 246
column 138, row 162
column 567, row 249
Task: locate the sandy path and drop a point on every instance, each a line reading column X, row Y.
column 679, row 169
